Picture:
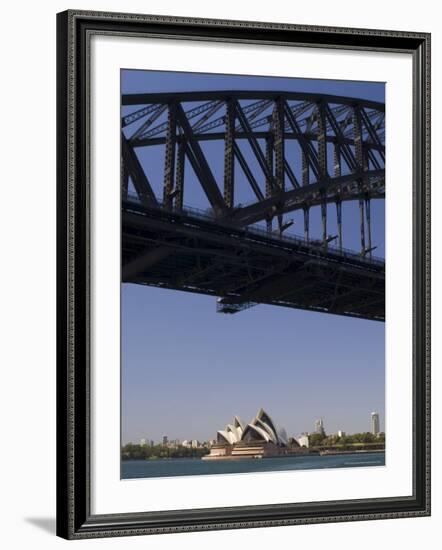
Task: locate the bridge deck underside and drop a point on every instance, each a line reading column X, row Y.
column 178, row 251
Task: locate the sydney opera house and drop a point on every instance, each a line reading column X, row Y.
column 260, row 438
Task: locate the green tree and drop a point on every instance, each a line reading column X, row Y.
column 316, row 439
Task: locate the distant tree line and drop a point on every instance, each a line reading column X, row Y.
column 358, row 439
column 133, row 451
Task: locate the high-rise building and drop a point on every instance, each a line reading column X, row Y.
column 375, row 423
column 319, row 427
column 165, row 440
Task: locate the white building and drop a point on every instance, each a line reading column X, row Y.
column 375, row 423
column 303, row 440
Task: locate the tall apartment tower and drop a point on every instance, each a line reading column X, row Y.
column 319, row 427
column 375, row 423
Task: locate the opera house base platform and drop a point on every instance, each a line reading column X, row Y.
column 255, row 449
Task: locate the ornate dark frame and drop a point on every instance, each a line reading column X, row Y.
column 74, row 519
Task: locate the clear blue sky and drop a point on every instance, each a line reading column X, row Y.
column 186, row 370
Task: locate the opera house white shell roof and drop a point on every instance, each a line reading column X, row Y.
column 261, row 428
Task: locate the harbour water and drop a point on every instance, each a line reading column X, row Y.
column 135, row 469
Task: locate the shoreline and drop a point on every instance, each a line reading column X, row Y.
column 360, row 451
column 294, row 455
column 313, row 452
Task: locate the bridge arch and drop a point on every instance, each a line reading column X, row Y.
column 303, row 150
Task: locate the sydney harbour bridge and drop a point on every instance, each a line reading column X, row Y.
column 288, row 153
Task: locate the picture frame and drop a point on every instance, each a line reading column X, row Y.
column 75, row 217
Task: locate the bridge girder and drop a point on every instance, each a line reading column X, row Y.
column 294, row 151
column 243, row 267
column 352, row 127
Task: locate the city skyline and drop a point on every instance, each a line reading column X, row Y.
column 146, row 439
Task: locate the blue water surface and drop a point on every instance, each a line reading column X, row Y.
column 134, row 469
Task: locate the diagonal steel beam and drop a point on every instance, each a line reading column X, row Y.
column 137, row 174
column 306, row 146
column 371, row 156
column 216, row 107
column 247, row 172
column 254, row 143
column 192, row 113
column 142, row 129
column 200, row 164
column 372, row 132
column 290, row 174
column 136, row 115
column 347, row 153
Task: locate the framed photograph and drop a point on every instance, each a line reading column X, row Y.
column 243, row 274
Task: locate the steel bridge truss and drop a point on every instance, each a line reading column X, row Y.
column 303, row 150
